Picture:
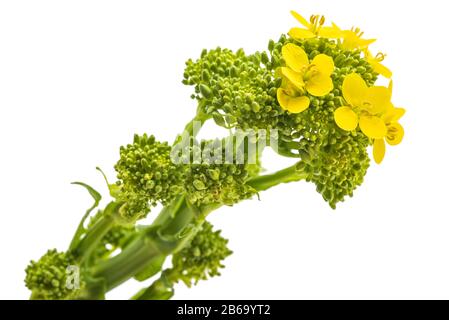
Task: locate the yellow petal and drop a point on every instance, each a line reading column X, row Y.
column 319, row 85
column 364, row 43
column 338, row 29
column 353, row 41
column 300, row 19
column 393, row 114
column 293, row 77
column 354, row 89
column 324, row 64
column 377, row 100
column 381, row 69
column 368, row 55
column 292, row 104
column 390, row 87
column 295, row 57
column 330, row 33
column 395, row 134
column 346, row 118
column 379, row 150
column 298, row 33
column 373, row 127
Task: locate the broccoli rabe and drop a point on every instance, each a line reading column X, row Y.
column 312, row 98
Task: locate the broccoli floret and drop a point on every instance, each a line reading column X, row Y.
column 146, row 176
column 239, row 92
column 212, row 178
column 202, row 259
column 53, row 277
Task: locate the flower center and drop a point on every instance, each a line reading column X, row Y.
column 367, row 106
column 392, row 133
column 309, row 72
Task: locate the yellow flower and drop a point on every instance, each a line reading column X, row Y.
column 366, row 106
column 313, row 29
column 395, row 132
column 352, row 39
column 301, row 76
column 375, row 62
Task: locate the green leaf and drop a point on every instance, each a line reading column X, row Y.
column 81, row 230
column 94, row 193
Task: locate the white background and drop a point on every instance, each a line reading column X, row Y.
column 79, row 78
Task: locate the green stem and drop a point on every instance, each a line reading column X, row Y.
column 140, row 253
column 94, row 235
column 161, row 289
column 152, row 243
column 290, row 174
column 192, row 127
column 172, row 230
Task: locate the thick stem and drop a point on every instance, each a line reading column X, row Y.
column 140, row 253
column 152, row 243
column 94, row 235
column 290, row 174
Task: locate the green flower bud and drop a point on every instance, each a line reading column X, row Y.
column 48, row 277
column 202, row 258
column 147, row 175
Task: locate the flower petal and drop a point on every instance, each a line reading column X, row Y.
column 295, row 57
column 300, row 19
column 346, row 118
column 364, row 43
column 377, row 100
column 379, row 150
column 330, row 33
column 353, row 41
column 293, row 77
column 381, row 69
column 373, row 127
column 324, row 64
column 395, row 134
column 393, row 114
column 354, row 89
column 298, row 33
column 319, row 85
column 292, row 104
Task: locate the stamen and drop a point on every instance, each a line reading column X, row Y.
column 380, row 56
column 322, row 20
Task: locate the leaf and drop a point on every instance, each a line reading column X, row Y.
column 94, row 193
column 81, row 230
column 114, row 190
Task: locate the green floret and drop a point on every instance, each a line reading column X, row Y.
column 237, row 89
column 336, row 160
column 202, row 259
column 213, row 179
column 146, row 176
column 339, row 168
column 48, row 277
